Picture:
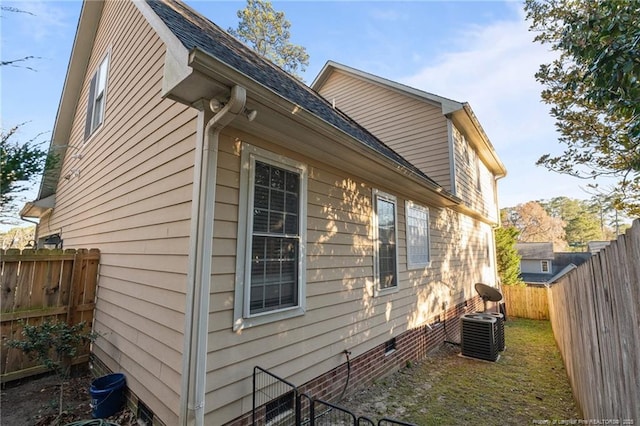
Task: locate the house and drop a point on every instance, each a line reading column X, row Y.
column 594, row 247
column 244, row 221
column 540, row 265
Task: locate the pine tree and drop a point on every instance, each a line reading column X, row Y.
column 266, row 31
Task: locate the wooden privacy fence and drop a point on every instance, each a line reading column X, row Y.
column 595, row 315
column 526, row 302
column 43, row 285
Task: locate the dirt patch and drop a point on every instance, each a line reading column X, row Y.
column 36, row 402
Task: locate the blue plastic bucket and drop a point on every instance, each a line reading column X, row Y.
column 107, row 395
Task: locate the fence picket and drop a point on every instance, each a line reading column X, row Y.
column 594, row 313
column 38, row 286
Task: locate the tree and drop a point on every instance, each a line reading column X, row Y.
column 266, row 31
column 507, row 257
column 535, row 225
column 581, row 220
column 593, row 88
column 17, row 238
column 20, row 163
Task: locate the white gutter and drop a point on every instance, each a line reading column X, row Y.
column 200, row 252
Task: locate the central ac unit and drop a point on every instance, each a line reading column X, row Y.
column 479, row 336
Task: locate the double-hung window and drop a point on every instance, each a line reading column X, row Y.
column 418, row 241
column 97, row 98
column 271, row 268
column 385, row 238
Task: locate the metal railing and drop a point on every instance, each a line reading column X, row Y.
column 277, row 402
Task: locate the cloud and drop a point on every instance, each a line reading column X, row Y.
column 492, row 67
column 47, row 19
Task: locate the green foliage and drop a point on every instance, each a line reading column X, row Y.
column 266, row 31
column 507, row 256
column 20, row 163
column 593, row 88
column 53, row 343
column 582, row 223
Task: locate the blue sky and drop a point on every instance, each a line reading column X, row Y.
column 480, row 52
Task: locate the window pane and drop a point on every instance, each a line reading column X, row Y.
column 292, row 182
column 277, row 178
column 262, row 174
column 102, row 76
column 276, row 272
column 276, row 223
column 417, row 236
column 277, row 201
column 260, row 220
column 292, row 203
column 291, row 224
column 261, row 197
column 98, row 111
column 386, row 243
column 274, row 257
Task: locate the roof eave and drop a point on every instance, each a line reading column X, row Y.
column 466, row 119
column 37, row 209
column 78, row 61
column 205, row 64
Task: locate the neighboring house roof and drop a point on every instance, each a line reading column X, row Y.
column 460, row 112
column 533, row 278
column 596, row 246
column 563, row 259
column 561, row 262
column 188, row 35
column 532, row 251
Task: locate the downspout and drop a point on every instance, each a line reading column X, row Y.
column 201, row 246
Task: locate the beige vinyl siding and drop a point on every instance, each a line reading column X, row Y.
column 474, row 182
column 415, row 129
column 341, row 310
column 132, row 200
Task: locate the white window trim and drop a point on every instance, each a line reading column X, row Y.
column 241, row 312
column 92, row 96
column 548, row 263
column 418, row 265
column 376, row 194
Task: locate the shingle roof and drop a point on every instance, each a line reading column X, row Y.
column 535, row 250
column 195, row 31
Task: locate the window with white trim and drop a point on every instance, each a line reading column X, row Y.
column 97, row 98
column 545, row 266
column 271, row 235
column 385, row 225
column 418, row 238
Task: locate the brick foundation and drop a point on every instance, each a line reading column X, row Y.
column 410, row 346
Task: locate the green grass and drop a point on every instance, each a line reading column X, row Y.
column 527, row 383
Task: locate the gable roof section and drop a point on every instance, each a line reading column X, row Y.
column 535, row 251
column 460, row 112
column 78, row 62
column 184, row 32
column 196, row 32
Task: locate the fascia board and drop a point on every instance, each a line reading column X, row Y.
column 448, row 105
column 176, row 55
column 78, row 61
column 467, row 120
